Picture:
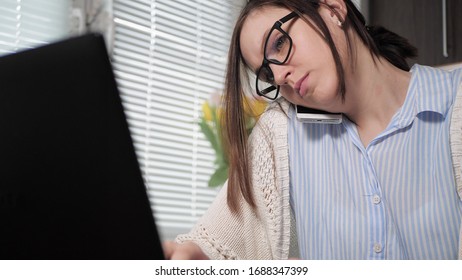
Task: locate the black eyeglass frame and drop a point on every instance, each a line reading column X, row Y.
column 266, row 62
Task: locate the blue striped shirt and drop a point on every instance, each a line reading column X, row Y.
column 395, row 198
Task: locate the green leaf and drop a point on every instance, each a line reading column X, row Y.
column 249, row 122
column 210, row 135
column 219, row 160
column 219, row 177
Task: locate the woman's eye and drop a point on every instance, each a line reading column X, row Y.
column 280, row 42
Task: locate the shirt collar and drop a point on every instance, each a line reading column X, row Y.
column 428, row 91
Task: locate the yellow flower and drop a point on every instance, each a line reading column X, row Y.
column 207, row 111
column 210, row 126
column 259, row 107
column 254, row 107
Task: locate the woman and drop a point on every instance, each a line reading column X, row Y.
column 378, row 186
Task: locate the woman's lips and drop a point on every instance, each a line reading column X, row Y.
column 301, row 86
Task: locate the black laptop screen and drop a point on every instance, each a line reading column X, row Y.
column 70, row 184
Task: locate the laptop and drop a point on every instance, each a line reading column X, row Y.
column 70, row 183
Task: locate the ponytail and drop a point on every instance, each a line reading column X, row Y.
column 380, row 40
column 392, row 47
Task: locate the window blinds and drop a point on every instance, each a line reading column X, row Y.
column 168, row 57
column 28, row 23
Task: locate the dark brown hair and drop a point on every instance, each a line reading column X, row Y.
column 381, row 43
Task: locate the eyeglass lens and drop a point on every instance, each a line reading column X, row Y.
column 277, row 49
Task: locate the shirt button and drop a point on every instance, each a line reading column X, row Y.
column 376, row 199
column 377, row 248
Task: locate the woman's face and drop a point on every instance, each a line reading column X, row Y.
column 309, row 76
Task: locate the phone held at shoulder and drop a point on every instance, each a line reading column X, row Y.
column 308, row 115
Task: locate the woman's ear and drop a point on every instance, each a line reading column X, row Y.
column 338, row 10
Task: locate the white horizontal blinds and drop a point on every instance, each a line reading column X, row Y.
column 28, row 23
column 168, row 57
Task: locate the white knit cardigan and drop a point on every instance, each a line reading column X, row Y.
column 269, row 232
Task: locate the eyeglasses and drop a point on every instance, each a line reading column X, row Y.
column 277, row 49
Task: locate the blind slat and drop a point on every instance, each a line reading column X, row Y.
column 168, row 57
column 29, row 23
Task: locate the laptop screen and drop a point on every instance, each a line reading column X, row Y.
column 70, row 183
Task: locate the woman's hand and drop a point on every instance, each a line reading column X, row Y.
column 185, row 251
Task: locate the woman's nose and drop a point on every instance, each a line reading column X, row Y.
column 281, row 73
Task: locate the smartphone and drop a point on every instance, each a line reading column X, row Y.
column 309, row 115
